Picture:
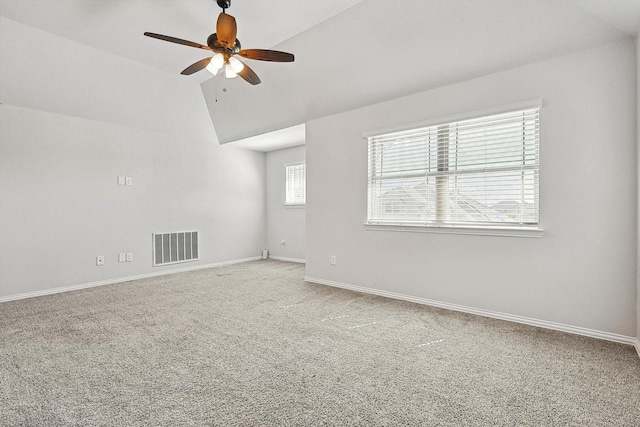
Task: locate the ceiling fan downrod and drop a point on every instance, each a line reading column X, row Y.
column 224, row 4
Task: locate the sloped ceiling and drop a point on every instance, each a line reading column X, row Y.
column 381, row 50
column 622, row 14
column 349, row 53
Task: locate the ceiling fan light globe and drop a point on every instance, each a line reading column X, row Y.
column 212, row 69
column 236, row 65
column 217, row 60
column 229, row 73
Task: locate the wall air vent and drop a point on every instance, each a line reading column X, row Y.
column 172, row 248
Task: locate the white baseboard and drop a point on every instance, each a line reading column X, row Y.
column 486, row 313
column 122, row 279
column 281, row 258
column 637, row 345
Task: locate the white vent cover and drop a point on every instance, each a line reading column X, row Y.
column 171, row 248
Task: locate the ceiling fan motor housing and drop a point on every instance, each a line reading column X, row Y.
column 213, row 38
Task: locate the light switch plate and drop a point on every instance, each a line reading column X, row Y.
column 122, row 257
column 129, row 257
column 121, row 180
column 128, row 180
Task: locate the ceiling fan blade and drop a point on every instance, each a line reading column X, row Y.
column 267, row 55
column 176, row 40
column 226, row 29
column 249, row 75
column 197, row 66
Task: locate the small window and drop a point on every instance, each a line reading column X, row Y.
column 477, row 172
column 296, row 180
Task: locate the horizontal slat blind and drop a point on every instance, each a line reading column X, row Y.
column 478, row 171
column 296, row 184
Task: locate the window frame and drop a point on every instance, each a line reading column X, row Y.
column 287, row 183
column 497, row 229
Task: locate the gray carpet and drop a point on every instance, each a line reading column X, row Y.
column 252, row 344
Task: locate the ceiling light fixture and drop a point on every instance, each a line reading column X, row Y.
column 229, row 72
column 213, row 70
column 216, row 63
column 236, row 65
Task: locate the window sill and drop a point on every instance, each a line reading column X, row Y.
column 295, row 206
column 521, row 231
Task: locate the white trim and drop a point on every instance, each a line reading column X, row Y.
column 637, row 346
column 281, row 258
column 302, row 162
column 486, row 313
column 533, row 103
column 122, row 279
column 459, row 229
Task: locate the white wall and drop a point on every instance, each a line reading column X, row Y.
column 284, row 222
column 580, row 273
column 72, row 120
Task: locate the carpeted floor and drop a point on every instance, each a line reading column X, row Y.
column 252, row 344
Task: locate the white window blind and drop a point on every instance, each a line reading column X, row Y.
column 296, row 185
column 482, row 171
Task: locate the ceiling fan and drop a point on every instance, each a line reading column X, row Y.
column 226, row 46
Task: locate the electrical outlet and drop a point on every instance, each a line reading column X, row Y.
column 128, row 180
column 100, row 260
column 333, row 260
column 129, row 257
column 122, row 257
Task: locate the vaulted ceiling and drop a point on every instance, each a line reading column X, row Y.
column 349, row 53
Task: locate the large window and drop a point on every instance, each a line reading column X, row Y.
column 296, row 193
column 476, row 172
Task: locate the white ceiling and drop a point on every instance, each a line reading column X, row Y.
column 275, row 140
column 349, row 53
column 117, row 26
column 622, row 14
